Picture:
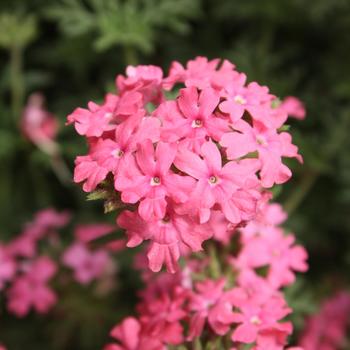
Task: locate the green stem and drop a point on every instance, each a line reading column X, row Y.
column 302, row 189
column 130, row 55
column 214, row 265
column 17, row 84
column 197, row 345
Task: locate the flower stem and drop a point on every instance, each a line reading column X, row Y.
column 17, row 84
column 130, row 55
column 305, row 185
column 214, row 264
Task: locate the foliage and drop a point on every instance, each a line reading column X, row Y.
column 130, row 23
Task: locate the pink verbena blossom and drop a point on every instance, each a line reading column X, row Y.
column 293, row 107
column 255, row 319
column 270, row 145
column 131, row 337
column 216, row 183
column 31, row 290
column 146, row 80
column 192, row 118
column 201, row 73
column 208, row 303
column 148, row 178
column 278, row 253
column 89, row 232
column 326, row 330
column 87, row 264
column 97, row 119
column 109, row 155
column 7, row 266
column 38, row 125
column 171, row 236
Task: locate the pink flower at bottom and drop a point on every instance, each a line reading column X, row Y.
column 130, row 337
column 256, row 318
column 206, row 296
column 326, row 330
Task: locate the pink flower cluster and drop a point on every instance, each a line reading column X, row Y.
column 238, row 304
column 186, row 154
column 28, row 263
column 327, row 329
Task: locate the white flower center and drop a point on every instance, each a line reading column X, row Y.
column 276, row 252
column 117, row 153
column 197, row 123
column 213, row 180
column 166, row 219
column 155, row 181
column 261, row 140
column 255, row 320
column 108, row 115
column 240, row 100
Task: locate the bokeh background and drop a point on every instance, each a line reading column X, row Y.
column 71, row 51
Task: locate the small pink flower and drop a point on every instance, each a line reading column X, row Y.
column 37, row 124
column 320, row 333
column 207, row 295
column 170, row 236
column 255, row 318
column 31, row 290
column 276, row 251
column 293, row 107
column 22, row 246
column 130, row 336
column 270, row 145
column 198, row 73
column 90, row 232
column 191, row 120
column 148, row 178
column 144, row 79
column 87, row 265
column 109, row 155
column 161, row 315
column 216, row 183
column 96, row 120
column 268, row 215
column 7, row 266
column 50, row 218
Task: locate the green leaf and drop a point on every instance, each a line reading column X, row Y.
column 17, row 30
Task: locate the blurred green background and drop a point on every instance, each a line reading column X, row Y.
column 71, row 51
